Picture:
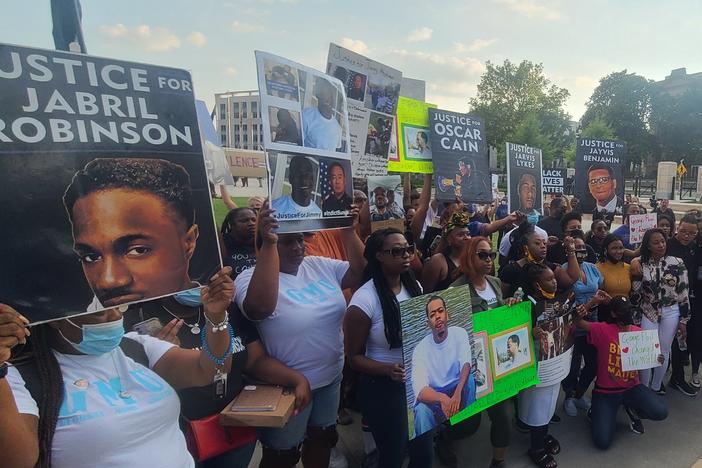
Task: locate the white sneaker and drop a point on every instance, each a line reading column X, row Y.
column 337, row 459
column 569, row 407
column 695, row 382
column 583, row 403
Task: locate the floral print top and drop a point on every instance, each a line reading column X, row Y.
column 664, row 283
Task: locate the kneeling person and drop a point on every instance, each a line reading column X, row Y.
column 441, row 372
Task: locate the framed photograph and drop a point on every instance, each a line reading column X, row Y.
column 483, row 376
column 510, row 351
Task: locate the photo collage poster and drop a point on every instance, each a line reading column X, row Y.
column 306, row 136
column 524, row 184
column 556, row 318
column 104, row 184
column 414, row 151
column 599, row 169
column 460, row 157
column 372, row 92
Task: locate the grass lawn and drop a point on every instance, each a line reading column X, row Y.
column 221, row 210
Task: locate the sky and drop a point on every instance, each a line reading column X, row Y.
column 446, row 43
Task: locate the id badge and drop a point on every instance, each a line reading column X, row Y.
column 220, row 385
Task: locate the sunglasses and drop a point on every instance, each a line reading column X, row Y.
column 485, row 255
column 398, row 252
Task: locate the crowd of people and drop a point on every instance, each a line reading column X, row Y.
column 319, row 313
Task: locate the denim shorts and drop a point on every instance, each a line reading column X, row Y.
column 320, row 412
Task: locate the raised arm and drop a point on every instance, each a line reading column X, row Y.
column 262, row 293
column 514, row 217
column 421, row 213
column 354, row 251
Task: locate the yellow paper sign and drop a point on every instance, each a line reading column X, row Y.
column 413, row 146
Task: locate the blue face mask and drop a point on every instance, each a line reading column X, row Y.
column 533, row 218
column 190, row 298
column 98, row 338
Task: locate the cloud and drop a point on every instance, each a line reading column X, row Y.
column 356, row 45
column 584, row 81
column 467, row 64
column 531, row 8
column 422, row 34
column 231, row 71
column 152, row 39
column 196, row 39
column 242, row 27
column 474, row 46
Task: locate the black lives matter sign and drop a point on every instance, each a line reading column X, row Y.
column 554, row 180
column 59, row 112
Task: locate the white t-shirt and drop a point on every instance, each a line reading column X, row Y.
column 98, row 428
column 304, row 330
column 377, row 346
column 488, row 294
column 286, row 208
column 439, row 365
column 320, row 132
column 505, row 244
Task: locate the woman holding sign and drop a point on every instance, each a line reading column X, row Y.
column 486, row 293
column 84, row 394
column 374, row 348
column 661, row 293
column 614, row 386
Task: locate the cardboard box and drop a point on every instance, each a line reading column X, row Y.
column 276, row 418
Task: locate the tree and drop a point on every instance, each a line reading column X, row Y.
column 597, row 128
column 529, row 132
column 675, row 120
column 510, row 94
column 623, row 101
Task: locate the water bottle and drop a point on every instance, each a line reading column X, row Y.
column 519, row 294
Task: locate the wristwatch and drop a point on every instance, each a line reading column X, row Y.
column 3, row 370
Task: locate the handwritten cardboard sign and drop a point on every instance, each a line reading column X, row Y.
column 639, row 224
column 639, row 349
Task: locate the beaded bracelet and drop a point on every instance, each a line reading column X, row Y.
column 219, row 361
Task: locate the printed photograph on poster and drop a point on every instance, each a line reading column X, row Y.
column 553, row 180
column 599, row 180
column 385, row 202
column 309, row 192
column 416, row 140
column 216, row 163
column 436, row 347
column 483, row 376
column 524, row 179
column 83, row 188
column 510, row 351
column 372, row 90
column 460, row 157
column 302, row 110
column 555, row 318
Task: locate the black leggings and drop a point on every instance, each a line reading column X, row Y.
column 500, row 426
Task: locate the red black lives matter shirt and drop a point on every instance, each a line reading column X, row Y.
column 610, row 376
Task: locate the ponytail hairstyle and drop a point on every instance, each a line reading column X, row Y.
column 532, row 273
column 518, row 240
column 39, row 356
column 388, row 301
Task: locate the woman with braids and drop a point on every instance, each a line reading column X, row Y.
column 486, row 293
column 374, row 348
column 238, row 232
column 529, row 247
column 77, row 400
column 298, row 306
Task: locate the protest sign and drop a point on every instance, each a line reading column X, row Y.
column 599, row 180
column 216, row 162
column 413, row 146
column 553, row 180
column 524, row 179
column 372, row 90
column 639, row 224
column 639, row 350
column 495, row 190
column 246, row 163
column 385, row 202
column 102, row 169
column 555, row 347
column 503, row 354
column 436, row 349
column 460, row 157
column 306, row 137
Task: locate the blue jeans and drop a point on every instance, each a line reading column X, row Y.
column 429, row 415
column 320, row 412
column 384, row 407
column 647, row 404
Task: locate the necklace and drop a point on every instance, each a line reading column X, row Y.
column 84, row 383
column 194, row 328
